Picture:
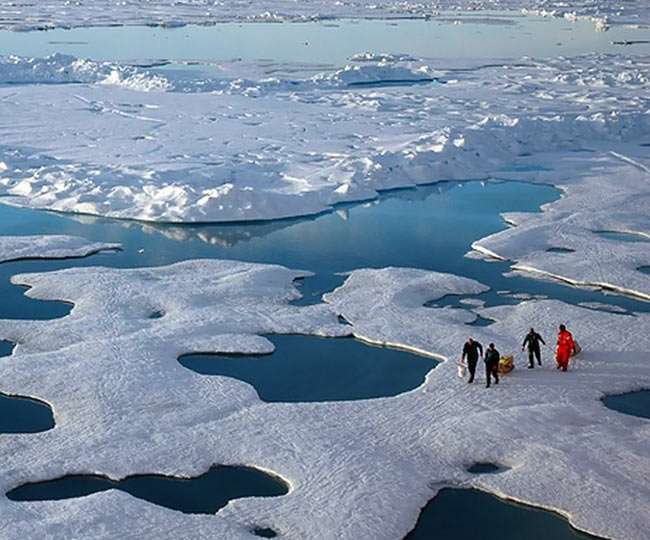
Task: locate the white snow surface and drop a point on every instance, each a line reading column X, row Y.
column 61, row 68
column 361, row 469
column 14, row 248
column 613, row 199
column 236, row 149
column 172, row 13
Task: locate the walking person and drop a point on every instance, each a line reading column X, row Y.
column 532, row 341
column 565, row 348
column 492, row 357
column 472, row 351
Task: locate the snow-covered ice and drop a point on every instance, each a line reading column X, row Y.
column 124, row 405
column 172, row 14
column 472, row 302
column 616, row 198
column 230, row 148
column 13, row 248
column 603, row 307
column 61, row 69
column 238, row 146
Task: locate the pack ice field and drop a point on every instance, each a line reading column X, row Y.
column 244, row 244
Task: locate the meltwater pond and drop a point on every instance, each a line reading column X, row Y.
column 204, row 494
column 470, row 513
column 309, row 368
column 632, row 403
column 20, row 414
column 6, row 347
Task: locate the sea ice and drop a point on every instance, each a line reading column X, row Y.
column 234, row 149
column 13, row 248
column 586, row 258
column 124, row 405
column 131, row 143
column 66, row 69
column 472, row 302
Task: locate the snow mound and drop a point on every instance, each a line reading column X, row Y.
column 244, row 149
column 381, row 57
column 62, row 69
column 377, row 74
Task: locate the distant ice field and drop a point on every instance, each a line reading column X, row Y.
column 171, row 13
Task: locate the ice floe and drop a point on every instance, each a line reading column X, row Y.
column 13, row 248
column 579, row 255
column 124, row 405
column 230, row 147
column 235, row 149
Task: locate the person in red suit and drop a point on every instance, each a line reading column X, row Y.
column 565, row 348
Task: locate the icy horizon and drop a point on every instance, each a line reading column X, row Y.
column 172, row 14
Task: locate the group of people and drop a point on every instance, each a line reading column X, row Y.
column 473, row 350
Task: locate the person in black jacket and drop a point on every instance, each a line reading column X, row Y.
column 532, row 341
column 472, row 350
column 492, row 357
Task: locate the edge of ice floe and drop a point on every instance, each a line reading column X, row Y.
column 51, row 247
column 526, row 269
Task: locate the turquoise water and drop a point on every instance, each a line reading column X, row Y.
column 24, row 415
column 468, row 513
column 431, row 227
column 633, row 403
column 309, row 368
column 204, row 494
column 331, row 43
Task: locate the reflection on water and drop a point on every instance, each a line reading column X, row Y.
column 431, row 227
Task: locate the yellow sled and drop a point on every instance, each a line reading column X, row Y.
column 506, row 364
